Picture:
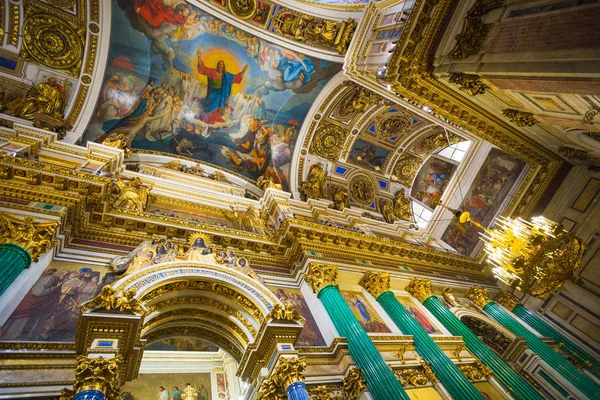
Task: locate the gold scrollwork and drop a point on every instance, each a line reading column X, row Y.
column 520, row 118
column 328, row 141
column 98, row 374
column 362, row 190
column 420, row 288
column 508, row 300
column 35, row 237
column 354, row 384
column 478, row 295
column 53, row 42
column 393, row 125
column 405, row 169
column 319, row 276
column 471, row 84
column 474, row 31
column 376, row 283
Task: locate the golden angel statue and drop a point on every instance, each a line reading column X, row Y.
column 132, row 195
column 314, row 186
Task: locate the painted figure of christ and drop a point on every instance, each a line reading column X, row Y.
column 219, row 89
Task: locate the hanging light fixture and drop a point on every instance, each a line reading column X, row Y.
column 536, row 257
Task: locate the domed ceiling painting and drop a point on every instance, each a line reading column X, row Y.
column 183, row 82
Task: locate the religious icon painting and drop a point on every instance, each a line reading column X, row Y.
column 199, row 88
column 365, row 313
column 432, row 180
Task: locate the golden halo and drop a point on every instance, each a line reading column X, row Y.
column 197, row 235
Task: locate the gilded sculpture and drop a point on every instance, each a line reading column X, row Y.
column 574, row 154
column 420, row 288
column 247, row 220
column 520, row 118
column 266, row 182
column 399, row 209
column 405, row 169
column 98, row 374
column 354, row 383
column 132, row 195
column 474, row 31
column 471, row 84
column 320, row 275
column 118, row 141
column 362, row 189
column 287, row 371
column 449, row 297
column 49, row 97
column 105, row 300
column 314, row 185
column 478, row 295
column 35, row 237
column 507, row 299
column 476, row 371
column 376, row 283
column 341, row 199
column 128, row 302
column 393, row 125
column 416, row 376
column 439, row 139
column 287, row 312
column 147, row 253
column 357, row 101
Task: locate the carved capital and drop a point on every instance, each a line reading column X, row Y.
column 98, row 374
column 320, row 275
column 479, row 296
column 376, row 283
column 35, row 237
column 420, row 288
column 288, row 371
column 508, row 300
column 354, row 384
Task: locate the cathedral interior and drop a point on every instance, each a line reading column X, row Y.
column 299, row 199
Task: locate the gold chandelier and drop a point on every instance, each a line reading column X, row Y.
column 536, row 257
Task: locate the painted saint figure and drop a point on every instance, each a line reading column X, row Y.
column 219, row 89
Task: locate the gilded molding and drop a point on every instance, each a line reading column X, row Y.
column 476, row 371
column 478, row 295
column 376, row 283
column 520, row 118
column 320, row 275
column 354, row 384
column 420, row 288
column 507, row 299
column 470, row 84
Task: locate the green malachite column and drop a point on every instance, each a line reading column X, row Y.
column 13, row 260
column 451, row 377
column 518, row 388
column 583, row 382
column 581, row 356
column 380, row 379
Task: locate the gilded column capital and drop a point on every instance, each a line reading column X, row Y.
column 376, row 283
column 320, row 275
column 508, row 300
column 478, row 295
column 288, row 371
column 420, row 288
column 98, row 374
column 35, row 237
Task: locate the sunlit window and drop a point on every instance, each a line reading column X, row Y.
column 456, row 152
column 421, row 215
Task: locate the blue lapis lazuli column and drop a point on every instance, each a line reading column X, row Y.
column 297, row 391
column 90, row 395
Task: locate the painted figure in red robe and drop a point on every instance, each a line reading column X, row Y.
column 156, row 13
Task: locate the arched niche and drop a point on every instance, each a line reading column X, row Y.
column 494, row 335
column 207, row 301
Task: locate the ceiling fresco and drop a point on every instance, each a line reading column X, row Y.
column 182, row 82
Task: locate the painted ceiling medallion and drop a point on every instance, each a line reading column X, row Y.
column 242, row 8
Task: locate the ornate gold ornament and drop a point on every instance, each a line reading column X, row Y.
column 520, row 118
column 588, row 118
column 362, row 190
column 536, row 257
column 574, row 154
column 507, row 299
column 471, row 84
column 402, row 349
column 400, row 209
column 393, row 125
column 358, row 100
column 420, row 288
column 243, row 9
column 478, row 295
column 405, row 169
column 53, row 42
column 49, row 97
column 35, row 237
column 118, row 141
column 328, row 141
column 247, row 220
column 106, row 299
column 416, row 376
column 354, row 384
column 314, row 31
column 132, row 195
column 269, row 390
column 128, row 302
column 98, row 374
column 314, row 185
column 441, row 138
column 66, row 394
column 320, row 275
column 266, row 182
column 449, row 297
column 474, row 31
column 457, row 351
column 341, row 198
column 288, row 371
column 323, row 392
column 476, row 371
column 285, row 313
column 376, row 283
